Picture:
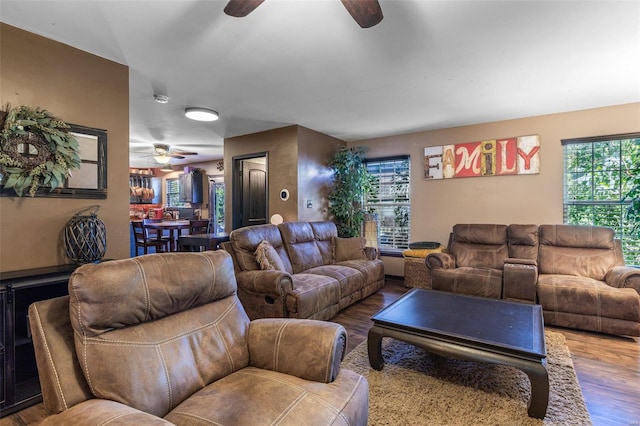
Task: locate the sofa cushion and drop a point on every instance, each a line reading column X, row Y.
column 351, row 281
column 586, row 296
column 479, row 245
column 158, row 333
column 324, row 232
column 245, row 241
column 585, row 251
column 523, row 241
column 301, row 246
column 470, row 281
column 348, row 249
column 312, row 294
column 268, row 258
column 254, row 396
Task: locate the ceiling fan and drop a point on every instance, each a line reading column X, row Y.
column 366, row 13
column 163, row 154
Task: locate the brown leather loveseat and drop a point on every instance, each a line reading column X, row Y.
column 163, row 339
column 301, row 270
column 576, row 273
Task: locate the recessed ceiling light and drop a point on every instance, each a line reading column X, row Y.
column 201, row 114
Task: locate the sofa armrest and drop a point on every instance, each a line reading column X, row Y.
column 269, row 282
column 309, row 349
column 102, row 411
column 624, row 277
column 519, row 279
column 440, row 260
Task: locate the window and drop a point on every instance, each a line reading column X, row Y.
column 173, row 193
column 390, row 201
column 598, row 173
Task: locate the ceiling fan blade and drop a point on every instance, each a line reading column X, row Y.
column 174, row 155
column 183, row 153
column 366, row 13
column 241, row 8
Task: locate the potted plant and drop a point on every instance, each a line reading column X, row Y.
column 351, row 184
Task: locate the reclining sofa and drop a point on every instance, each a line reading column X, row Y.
column 576, row 273
column 162, row 339
column 301, row 270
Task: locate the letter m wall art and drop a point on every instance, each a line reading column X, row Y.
column 511, row 156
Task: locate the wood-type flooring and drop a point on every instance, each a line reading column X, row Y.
column 608, row 367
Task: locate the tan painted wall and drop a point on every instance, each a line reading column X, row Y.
column 78, row 88
column 315, row 151
column 437, row 205
column 282, row 168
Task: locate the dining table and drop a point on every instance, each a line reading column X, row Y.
column 210, row 241
column 172, row 226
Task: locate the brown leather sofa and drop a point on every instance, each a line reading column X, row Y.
column 576, row 273
column 163, row 339
column 317, row 274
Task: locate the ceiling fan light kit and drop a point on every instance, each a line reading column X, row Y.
column 201, row 114
column 162, row 159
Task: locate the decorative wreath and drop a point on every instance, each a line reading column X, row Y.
column 36, row 149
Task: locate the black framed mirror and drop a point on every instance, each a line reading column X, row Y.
column 90, row 180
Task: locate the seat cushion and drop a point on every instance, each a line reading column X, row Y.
column 351, row 281
column 470, row 281
column 313, row 296
column 586, row 296
column 254, row 396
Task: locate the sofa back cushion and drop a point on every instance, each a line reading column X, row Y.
column 523, row 241
column 479, row 245
column 152, row 330
column 300, row 243
column 245, row 241
column 324, row 233
column 585, row 251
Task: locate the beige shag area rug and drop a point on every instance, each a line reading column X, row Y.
column 419, row 388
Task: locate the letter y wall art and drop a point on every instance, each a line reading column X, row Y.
column 512, row 156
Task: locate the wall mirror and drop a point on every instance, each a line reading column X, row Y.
column 90, row 180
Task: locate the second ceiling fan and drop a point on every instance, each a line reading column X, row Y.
column 366, row 13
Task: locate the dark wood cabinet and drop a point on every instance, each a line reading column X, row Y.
column 191, row 187
column 19, row 384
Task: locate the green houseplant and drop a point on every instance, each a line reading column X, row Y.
column 351, row 184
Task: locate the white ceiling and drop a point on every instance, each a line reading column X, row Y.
column 427, row 65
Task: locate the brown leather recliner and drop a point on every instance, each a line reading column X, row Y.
column 583, row 282
column 163, row 339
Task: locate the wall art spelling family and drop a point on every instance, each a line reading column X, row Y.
column 510, row 156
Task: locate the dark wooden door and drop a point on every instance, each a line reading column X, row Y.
column 254, row 193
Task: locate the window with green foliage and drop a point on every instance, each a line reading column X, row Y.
column 600, row 173
column 173, row 193
column 390, row 201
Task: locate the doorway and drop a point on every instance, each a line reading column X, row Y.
column 250, row 194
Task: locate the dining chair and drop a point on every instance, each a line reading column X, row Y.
column 198, row 226
column 144, row 240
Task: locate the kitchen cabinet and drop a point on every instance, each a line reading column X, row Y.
column 191, row 187
column 19, row 384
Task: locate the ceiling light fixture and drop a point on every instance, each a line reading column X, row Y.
column 201, row 114
column 162, row 159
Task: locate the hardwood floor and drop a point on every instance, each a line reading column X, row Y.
column 608, row 367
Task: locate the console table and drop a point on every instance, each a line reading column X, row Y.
column 19, row 384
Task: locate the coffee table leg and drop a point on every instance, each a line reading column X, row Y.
column 539, row 379
column 374, row 347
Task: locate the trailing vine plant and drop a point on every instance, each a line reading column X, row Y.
column 36, row 149
column 351, row 184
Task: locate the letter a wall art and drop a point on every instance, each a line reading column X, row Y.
column 511, row 156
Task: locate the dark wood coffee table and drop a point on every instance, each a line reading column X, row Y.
column 472, row 328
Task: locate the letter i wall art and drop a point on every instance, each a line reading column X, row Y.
column 512, row 156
